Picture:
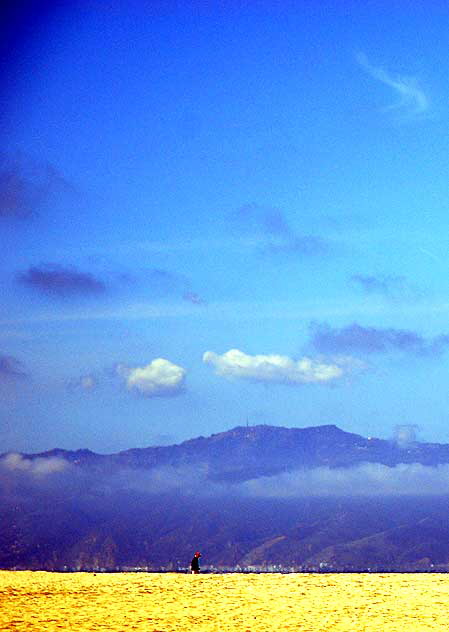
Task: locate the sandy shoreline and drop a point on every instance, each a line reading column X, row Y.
column 35, row 600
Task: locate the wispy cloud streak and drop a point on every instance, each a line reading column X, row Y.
column 394, row 288
column 357, row 338
column 10, row 368
column 27, row 185
column 273, row 235
column 411, row 99
column 60, row 280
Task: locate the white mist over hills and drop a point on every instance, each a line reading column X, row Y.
column 251, row 496
column 259, row 462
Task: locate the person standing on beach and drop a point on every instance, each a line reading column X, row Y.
column 195, row 563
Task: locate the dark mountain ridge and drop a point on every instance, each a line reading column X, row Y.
column 110, row 512
column 244, row 453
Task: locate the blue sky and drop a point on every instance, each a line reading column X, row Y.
column 214, row 213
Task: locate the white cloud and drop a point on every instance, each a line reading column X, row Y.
column 363, row 480
column 160, row 378
column 411, row 98
column 88, row 382
column 39, row 466
column 275, row 368
column 366, row 479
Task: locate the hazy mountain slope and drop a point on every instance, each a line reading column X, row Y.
column 152, row 507
column 250, row 452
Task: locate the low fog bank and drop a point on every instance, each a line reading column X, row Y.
column 53, row 474
column 56, row 515
column 367, row 479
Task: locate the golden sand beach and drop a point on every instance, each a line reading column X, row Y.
column 213, row 603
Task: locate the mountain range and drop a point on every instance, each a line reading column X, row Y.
column 251, row 498
column 244, row 453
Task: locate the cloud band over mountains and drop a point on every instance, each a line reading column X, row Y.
column 364, row 480
column 14, row 462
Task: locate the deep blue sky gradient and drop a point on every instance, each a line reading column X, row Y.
column 183, row 177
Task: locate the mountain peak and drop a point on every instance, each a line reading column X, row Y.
column 268, row 430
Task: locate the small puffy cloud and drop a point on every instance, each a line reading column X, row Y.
column 274, row 234
column 405, row 434
column 163, row 283
column 58, row 280
column 40, row 466
column 85, row 383
column 88, row 382
column 274, row 368
column 193, row 297
column 390, row 287
column 160, row 378
column 26, row 185
column 308, row 245
column 356, row 338
column 10, row 368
